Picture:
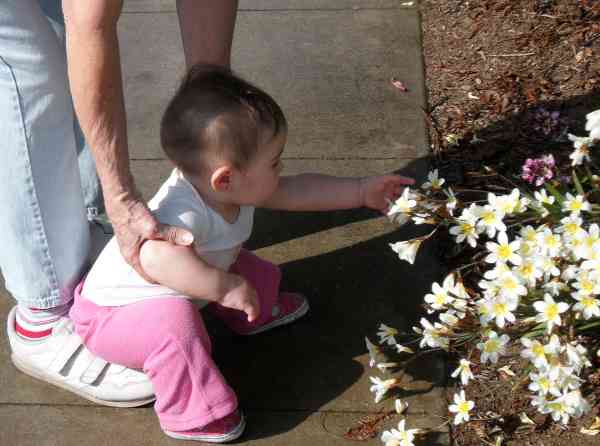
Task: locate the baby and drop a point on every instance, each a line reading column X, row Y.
column 225, row 138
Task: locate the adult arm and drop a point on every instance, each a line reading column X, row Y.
column 207, row 30
column 94, row 70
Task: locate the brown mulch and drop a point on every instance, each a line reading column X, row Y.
column 507, row 80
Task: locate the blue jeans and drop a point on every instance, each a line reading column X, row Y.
column 49, row 181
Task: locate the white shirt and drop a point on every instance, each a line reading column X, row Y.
column 112, row 282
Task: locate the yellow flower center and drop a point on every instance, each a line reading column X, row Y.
column 467, row 228
column 544, row 383
column 575, row 205
column 551, row 311
column 504, row 251
column 463, row 407
column 500, row 308
column 440, row 299
column 491, row 346
column 588, row 302
column 538, row 350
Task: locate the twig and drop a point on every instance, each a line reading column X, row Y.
column 512, row 55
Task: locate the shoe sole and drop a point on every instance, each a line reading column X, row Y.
column 301, row 311
column 234, row 434
column 23, row 367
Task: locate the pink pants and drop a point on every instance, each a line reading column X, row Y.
column 167, row 339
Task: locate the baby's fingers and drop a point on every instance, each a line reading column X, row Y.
column 252, row 310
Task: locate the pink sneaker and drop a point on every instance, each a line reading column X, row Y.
column 289, row 307
column 220, row 431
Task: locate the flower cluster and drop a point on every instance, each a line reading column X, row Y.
column 537, row 170
column 537, row 264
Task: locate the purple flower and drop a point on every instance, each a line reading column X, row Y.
column 538, row 170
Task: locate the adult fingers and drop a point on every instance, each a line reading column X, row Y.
column 175, row 235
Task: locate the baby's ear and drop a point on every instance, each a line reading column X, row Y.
column 220, row 180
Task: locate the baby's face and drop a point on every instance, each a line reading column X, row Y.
column 260, row 179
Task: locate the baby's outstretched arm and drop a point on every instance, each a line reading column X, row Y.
column 181, row 269
column 316, row 192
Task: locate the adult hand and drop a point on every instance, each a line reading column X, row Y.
column 133, row 224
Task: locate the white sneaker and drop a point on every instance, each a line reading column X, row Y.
column 62, row 359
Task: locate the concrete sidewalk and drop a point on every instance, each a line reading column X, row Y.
column 329, row 64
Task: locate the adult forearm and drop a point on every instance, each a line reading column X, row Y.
column 207, row 30
column 96, row 86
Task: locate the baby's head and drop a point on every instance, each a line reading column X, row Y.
column 225, row 134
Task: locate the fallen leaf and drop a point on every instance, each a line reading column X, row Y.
column 589, row 431
column 596, row 423
column 398, row 84
column 506, row 369
column 525, row 419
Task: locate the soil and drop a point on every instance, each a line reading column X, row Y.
column 507, row 80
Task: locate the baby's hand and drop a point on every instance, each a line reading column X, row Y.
column 377, row 191
column 241, row 296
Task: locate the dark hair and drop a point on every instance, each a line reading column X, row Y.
column 214, row 109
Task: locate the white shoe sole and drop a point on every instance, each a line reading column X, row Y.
column 35, row 373
column 234, row 434
column 301, row 311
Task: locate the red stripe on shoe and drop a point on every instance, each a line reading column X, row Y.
column 32, row 334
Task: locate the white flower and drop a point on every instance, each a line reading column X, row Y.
column 542, row 384
column 554, row 287
column 402, row 206
column 549, row 311
column 582, row 149
column 383, row 366
column 529, row 271
column 549, row 267
column 380, row 387
column 510, row 286
column 575, row 204
column 452, row 202
column 490, row 220
column 590, row 242
column 501, row 309
column 433, row 335
column 588, row 305
column 461, row 407
column 577, row 356
column 543, row 198
column 503, row 251
column 374, row 352
column 571, row 227
column 560, row 408
column 403, row 349
column 400, row 406
column 407, row 250
column 464, row 369
column 386, row 334
column 534, row 351
column 578, row 404
column 466, row 228
column 505, row 203
column 400, row 436
column 592, row 124
column 433, row 182
column 493, row 347
column 439, row 298
column 586, row 283
column 549, row 243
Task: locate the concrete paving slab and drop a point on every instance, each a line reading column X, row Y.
column 153, row 6
column 330, row 71
column 74, row 426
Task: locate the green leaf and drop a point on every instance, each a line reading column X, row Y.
column 577, row 183
column 559, row 197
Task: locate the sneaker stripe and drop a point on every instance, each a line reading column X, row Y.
column 21, row 331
